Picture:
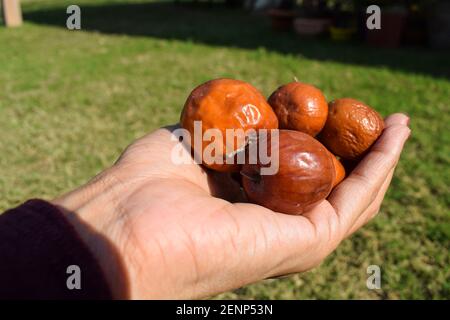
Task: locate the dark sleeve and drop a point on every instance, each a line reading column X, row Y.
column 37, row 245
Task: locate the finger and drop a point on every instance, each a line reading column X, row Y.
column 353, row 195
column 373, row 208
column 396, row 118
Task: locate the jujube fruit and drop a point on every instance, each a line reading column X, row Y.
column 339, row 170
column 300, row 107
column 227, row 104
column 351, row 128
column 305, row 175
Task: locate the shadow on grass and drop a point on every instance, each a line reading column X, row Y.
column 214, row 24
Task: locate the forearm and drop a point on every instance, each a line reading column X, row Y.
column 91, row 209
column 37, row 245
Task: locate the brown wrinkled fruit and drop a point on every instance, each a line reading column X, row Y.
column 351, row 128
column 227, row 104
column 300, row 107
column 305, row 175
column 349, row 165
column 339, row 170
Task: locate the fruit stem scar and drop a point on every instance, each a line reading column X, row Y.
column 255, row 178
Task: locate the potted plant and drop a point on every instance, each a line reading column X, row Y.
column 393, row 19
column 314, row 18
column 344, row 20
column 282, row 15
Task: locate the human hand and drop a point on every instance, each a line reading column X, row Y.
column 182, row 232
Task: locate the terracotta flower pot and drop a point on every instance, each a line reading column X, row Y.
column 311, row 26
column 439, row 25
column 414, row 32
column 392, row 26
column 281, row 19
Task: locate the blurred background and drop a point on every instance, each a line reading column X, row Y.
column 71, row 101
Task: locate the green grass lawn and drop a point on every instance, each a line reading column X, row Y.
column 71, row 101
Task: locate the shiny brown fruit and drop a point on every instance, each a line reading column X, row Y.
column 305, row 175
column 226, row 104
column 339, row 170
column 351, row 128
column 300, row 107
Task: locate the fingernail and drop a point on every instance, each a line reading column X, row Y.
column 408, row 118
column 409, row 133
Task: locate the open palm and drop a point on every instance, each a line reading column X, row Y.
column 184, row 232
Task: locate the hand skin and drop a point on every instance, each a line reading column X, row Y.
column 177, row 241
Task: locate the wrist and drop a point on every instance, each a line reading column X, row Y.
column 92, row 210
